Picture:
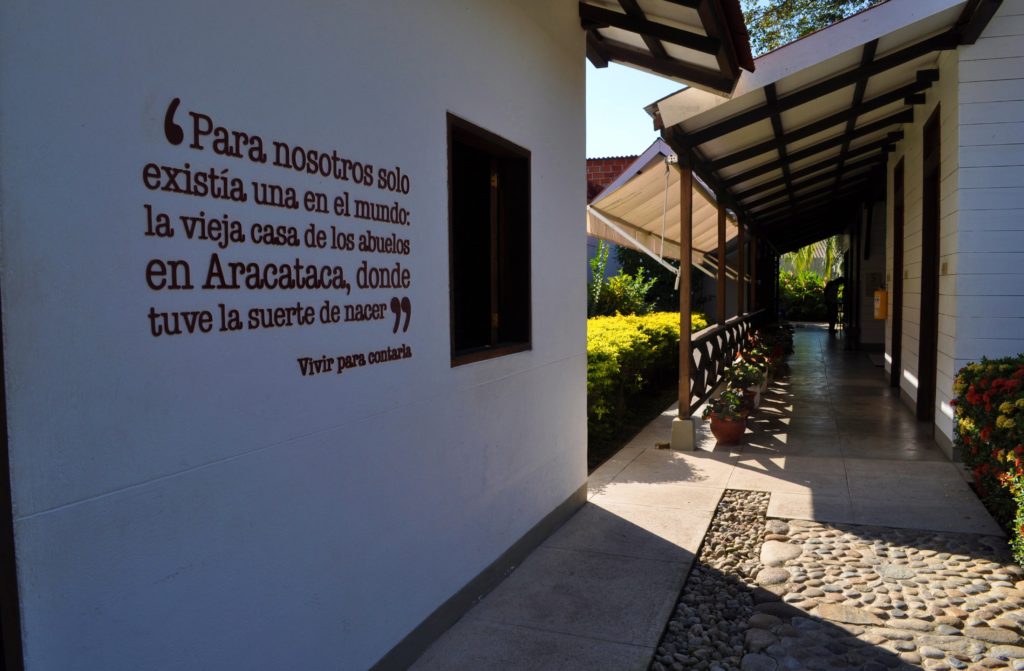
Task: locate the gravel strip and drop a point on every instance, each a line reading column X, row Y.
column 707, row 628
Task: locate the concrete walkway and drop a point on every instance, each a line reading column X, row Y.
column 831, row 443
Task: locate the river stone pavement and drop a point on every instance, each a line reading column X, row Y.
column 770, row 594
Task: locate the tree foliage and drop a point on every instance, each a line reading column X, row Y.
column 802, row 296
column 773, row 23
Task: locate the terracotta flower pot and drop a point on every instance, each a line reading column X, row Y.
column 728, row 431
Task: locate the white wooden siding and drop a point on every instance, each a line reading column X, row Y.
column 990, row 244
column 911, row 150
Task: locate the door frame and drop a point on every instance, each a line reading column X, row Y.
column 931, row 217
column 896, row 288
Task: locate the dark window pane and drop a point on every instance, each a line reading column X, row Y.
column 489, row 183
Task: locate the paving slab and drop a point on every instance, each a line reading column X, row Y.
column 964, row 517
column 607, row 597
column 677, row 496
column 678, row 470
column 837, row 508
column 789, row 463
column 644, row 532
column 781, row 481
column 476, row 644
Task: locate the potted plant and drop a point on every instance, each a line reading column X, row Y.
column 727, row 420
column 749, row 379
column 759, row 357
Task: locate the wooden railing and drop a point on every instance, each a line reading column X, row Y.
column 711, row 352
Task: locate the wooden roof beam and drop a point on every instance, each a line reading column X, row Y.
column 946, row 40
column 722, row 194
column 858, row 98
column 817, row 179
column 976, row 15
column 711, row 17
column 904, row 93
column 634, row 21
column 769, row 216
column 776, row 119
column 654, row 45
column 902, row 117
column 813, row 225
column 595, row 54
column 884, row 144
column 614, row 51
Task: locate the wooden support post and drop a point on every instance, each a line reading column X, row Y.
column 741, row 272
column 720, row 291
column 754, row 303
column 685, row 256
column 683, row 429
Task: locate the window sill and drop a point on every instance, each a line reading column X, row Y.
column 484, row 353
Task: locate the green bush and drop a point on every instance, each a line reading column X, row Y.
column 663, row 293
column 802, row 296
column 624, row 355
column 989, row 432
column 624, row 293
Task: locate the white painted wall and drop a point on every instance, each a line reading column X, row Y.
column 193, row 502
column 911, row 150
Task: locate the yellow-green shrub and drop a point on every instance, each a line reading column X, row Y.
column 624, row 354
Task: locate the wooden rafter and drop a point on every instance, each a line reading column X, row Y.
column 814, row 223
column 905, row 93
column 772, row 99
column 947, row 40
column 698, row 164
column 974, row 18
column 641, row 26
column 710, row 15
column 652, row 33
column 769, row 215
column 614, row 51
column 880, row 145
column 818, row 179
column 902, row 117
column 595, row 54
column 858, row 99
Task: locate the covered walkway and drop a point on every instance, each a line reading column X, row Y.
column 831, row 443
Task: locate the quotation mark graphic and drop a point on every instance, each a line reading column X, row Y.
column 398, row 307
column 173, row 131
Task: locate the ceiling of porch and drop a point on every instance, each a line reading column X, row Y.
column 806, row 136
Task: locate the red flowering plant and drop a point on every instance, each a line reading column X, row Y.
column 989, row 432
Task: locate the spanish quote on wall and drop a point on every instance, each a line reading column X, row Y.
column 353, row 223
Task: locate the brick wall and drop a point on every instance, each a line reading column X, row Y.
column 603, row 171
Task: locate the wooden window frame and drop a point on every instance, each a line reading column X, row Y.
column 460, row 131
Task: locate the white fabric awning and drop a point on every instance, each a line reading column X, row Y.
column 641, row 210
